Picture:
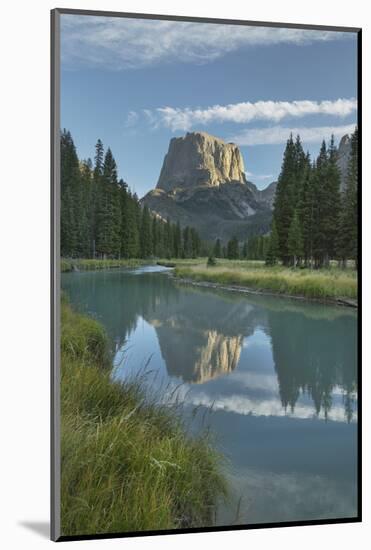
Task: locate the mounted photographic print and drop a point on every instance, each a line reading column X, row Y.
column 205, row 320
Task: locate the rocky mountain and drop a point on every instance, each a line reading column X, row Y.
column 203, row 184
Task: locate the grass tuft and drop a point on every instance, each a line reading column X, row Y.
column 127, row 464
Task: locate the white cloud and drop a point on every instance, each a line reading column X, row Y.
column 278, row 134
column 125, row 43
column 245, row 112
column 245, row 405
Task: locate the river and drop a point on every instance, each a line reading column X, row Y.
column 274, row 379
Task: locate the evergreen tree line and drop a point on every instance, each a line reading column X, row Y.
column 313, row 221
column 102, row 218
column 255, row 248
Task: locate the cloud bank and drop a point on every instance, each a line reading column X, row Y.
column 121, row 43
column 245, row 112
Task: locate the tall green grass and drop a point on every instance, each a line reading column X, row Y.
column 126, row 464
column 322, row 284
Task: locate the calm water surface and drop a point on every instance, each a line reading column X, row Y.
column 280, row 376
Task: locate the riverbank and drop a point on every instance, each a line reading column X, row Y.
column 127, row 464
column 332, row 285
column 82, row 264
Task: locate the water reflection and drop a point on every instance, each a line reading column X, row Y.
column 309, row 350
column 272, row 370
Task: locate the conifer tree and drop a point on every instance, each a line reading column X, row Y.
column 177, row 240
column 307, row 208
column 273, row 248
column 347, row 241
column 295, row 240
column 284, row 203
column 70, row 183
column 145, row 234
column 233, row 249
column 195, row 243
column 108, row 226
column 217, row 249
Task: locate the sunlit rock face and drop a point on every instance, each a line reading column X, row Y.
column 200, row 159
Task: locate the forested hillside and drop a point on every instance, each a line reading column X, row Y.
column 102, row 218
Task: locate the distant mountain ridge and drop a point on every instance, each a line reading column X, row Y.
column 203, row 184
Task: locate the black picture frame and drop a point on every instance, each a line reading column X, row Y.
column 55, row 273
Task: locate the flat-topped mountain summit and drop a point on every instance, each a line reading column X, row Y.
column 199, row 159
column 203, row 184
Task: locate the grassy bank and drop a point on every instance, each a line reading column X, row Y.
column 127, row 464
column 89, row 264
column 330, row 283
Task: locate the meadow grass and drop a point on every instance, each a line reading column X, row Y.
column 127, row 464
column 83, row 264
column 330, row 283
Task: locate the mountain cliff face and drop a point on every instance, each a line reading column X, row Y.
column 203, row 184
column 199, row 159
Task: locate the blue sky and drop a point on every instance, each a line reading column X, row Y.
column 135, row 84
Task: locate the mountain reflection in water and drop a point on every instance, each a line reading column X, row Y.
column 279, row 375
column 202, row 334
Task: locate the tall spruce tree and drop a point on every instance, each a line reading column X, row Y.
column 145, row 234
column 273, row 248
column 233, row 249
column 347, row 241
column 70, row 194
column 307, row 211
column 284, row 203
column 295, row 240
column 195, row 243
column 217, row 249
column 108, row 214
column 328, row 203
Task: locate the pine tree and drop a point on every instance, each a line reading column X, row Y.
column 319, row 181
column 284, row 204
column 233, row 249
column 177, row 240
column 168, row 241
column 295, row 240
column 273, row 248
column 307, row 211
column 129, row 228
column 84, row 207
column 98, row 159
column 70, row 183
column 195, row 243
column 108, row 215
column 217, row 249
column 327, row 181
column 155, row 236
column 347, row 241
column 145, row 234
